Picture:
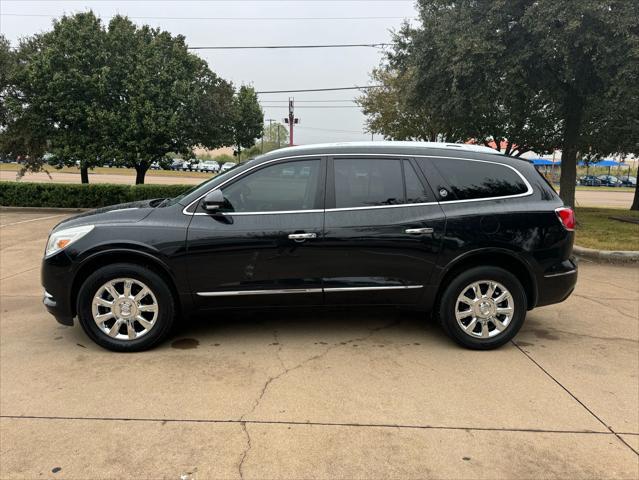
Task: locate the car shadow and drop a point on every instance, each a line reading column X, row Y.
column 302, row 324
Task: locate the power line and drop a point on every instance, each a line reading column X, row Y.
column 313, row 106
column 214, row 18
column 308, row 101
column 319, row 89
column 248, row 47
column 334, row 130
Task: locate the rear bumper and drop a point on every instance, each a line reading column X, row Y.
column 557, row 284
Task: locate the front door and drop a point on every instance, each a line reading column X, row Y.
column 264, row 245
column 383, row 231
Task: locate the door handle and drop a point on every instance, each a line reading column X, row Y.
column 419, row 231
column 299, row 237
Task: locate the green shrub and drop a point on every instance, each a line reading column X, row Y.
column 222, row 159
column 64, row 195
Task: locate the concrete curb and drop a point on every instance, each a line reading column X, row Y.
column 4, row 209
column 610, row 256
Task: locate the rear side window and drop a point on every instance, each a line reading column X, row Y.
column 415, row 192
column 471, row 180
column 363, row 182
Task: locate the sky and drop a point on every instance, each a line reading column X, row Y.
column 252, row 23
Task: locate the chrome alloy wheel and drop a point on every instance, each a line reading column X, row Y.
column 484, row 309
column 125, row 309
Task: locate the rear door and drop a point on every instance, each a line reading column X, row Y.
column 383, row 231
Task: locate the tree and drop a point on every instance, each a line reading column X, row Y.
column 164, row 99
column 275, row 133
column 248, row 123
column 530, row 73
column 391, row 113
column 57, row 95
column 22, row 133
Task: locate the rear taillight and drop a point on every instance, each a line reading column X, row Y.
column 567, row 217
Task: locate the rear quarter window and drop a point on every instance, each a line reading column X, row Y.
column 475, row 179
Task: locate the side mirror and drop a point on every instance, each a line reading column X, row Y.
column 213, row 201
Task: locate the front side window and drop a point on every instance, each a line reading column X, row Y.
column 280, row 187
column 471, row 180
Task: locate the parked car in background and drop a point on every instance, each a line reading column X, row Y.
column 177, row 164
column 474, row 236
column 209, row 166
column 629, row 181
column 589, row 181
column 190, row 165
column 610, row 181
column 155, row 166
column 227, row 166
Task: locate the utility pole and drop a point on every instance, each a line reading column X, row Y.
column 291, row 120
column 270, row 129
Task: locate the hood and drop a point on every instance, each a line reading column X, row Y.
column 122, row 213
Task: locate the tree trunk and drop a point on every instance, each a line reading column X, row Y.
column 140, row 172
column 84, row 173
column 572, row 127
column 635, row 202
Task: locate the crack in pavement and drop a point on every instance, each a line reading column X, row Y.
column 606, row 305
column 19, row 273
column 285, row 371
column 279, row 348
column 246, row 450
column 593, row 337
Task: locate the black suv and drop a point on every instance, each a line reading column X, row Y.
column 476, row 237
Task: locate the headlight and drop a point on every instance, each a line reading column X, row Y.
column 63, row 238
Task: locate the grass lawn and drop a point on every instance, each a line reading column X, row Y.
column 596, row 230
column 605, row 189
column 13, row 167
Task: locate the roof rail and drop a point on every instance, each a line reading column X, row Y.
column 393, row 143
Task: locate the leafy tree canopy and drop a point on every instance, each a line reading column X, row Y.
column 538, row 74
column 248, row 123
column 122, row 92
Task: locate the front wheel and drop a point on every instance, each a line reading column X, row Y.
column 125, row 307
column 483, row 307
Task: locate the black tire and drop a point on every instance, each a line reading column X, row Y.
column 165, row 307
column 446, row 308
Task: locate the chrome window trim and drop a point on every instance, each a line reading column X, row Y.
column 232, row 293
column 345, row 209
column 387, row 155
column 309, row 157
column 275, row 212
column 529, row 189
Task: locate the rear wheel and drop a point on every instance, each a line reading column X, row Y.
column 125, row 307
column 483, row 307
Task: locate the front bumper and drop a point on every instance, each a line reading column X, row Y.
column 557, row 284
column 56, row 277
column 51, row 305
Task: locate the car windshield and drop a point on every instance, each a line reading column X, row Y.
column 210, row 183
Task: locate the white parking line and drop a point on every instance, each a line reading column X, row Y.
column 32, row 220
